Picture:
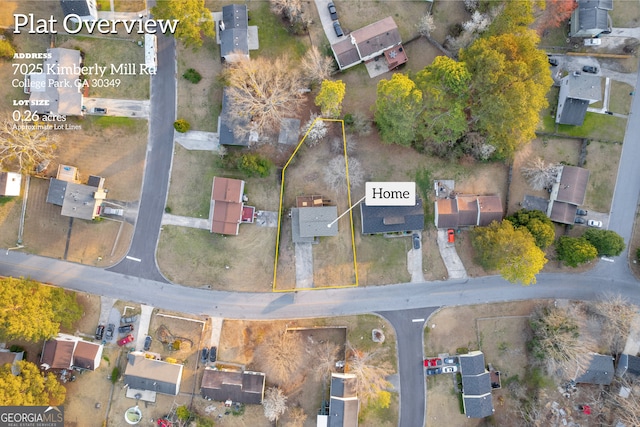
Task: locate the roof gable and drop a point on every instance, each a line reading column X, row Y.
column 392, row 219
column 245, row 387
column 600, row 370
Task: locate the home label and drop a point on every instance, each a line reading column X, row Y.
column 390, row 193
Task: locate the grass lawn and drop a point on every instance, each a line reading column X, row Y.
column 128, row 5
column 602, row 162
column 382, row 260
column 596, row 126
column 274, row 38
column 619, row 98
column 625, row 14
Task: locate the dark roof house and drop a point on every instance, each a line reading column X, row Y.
column 233, row 31
column 10, row 184
column 226, row 125
column 243, row 387
column 567, row 193
column 344, row 404
column 591, row 18
column 476, row 385
column 227, row 205
column 86, row 10
column 67, row 352
column 392, row 219
column 577, row 92
column 600, row 370
column 55, row 86
column 152, row 375
column 365, row 44
column 460, row 210
column 628, row 367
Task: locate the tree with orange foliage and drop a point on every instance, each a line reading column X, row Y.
column 557, row 12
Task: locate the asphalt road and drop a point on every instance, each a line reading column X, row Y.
column 141, row 260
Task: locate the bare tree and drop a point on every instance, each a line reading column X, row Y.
column 626, row 409
column 325, row 358
column 540, row 174
column 274, row 403
column 291, row 10
column 426, row 25
column 616, row 313
column 314, row 130
column 337, row 145
column 280, row 354
column 263, row 92
column 315, row 66
column 370, row 370
column 295, row 417
column 25, row 145
column 335, row 174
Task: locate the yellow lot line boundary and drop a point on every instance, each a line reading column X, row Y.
column 280, row 212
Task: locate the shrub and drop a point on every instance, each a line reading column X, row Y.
column 254, row 164
column 181, row 125
column 6, row 49
column 192, row 75
column 115, row 374
column 607, row 242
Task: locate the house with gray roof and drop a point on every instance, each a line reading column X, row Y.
column 476, row 385
column 55, row 86
column 577, row 92
column 343, row 404
column 229, row 127
column 152, row 375
column 591, row 18
column 86, row 10
column 628, row 367
column 599, row 370
column 77, row 200
column 312, row 222
column 234, row 34
column 392, row 219
column 243, row 387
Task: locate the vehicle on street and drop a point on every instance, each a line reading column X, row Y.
column 110, row 330
column 594, row 223
column 99, row 110
column 338, row 29
column 100, row 332
column 434, row 371
column 581, row 212
column 125, row 329
column 416, row 241
column 450, row 360
column 579, row 220
column 553, row 62
column 332, row 11
column 204, row 355
column 130, row 319
column 433, row 362
column 147, row 343
column 449, row 369
column 125, row 340
column 590, row 69
column 451, row 235
column 213, row 353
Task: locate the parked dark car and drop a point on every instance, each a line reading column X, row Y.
column 124, row 329
column 338, row 29
column 99, row 110
column 590, row 69
column 130, row 319
column 332, row 11
column 582, row 212
column 100, row 332
column 434, row 371
column 147, row 343
column 213, row 354
column 553, row 61
column 579, row 220
column 204, row 355
column 110, row 330
column 416, row 241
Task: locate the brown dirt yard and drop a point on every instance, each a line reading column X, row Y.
column 500, row 331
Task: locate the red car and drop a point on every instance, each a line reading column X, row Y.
column 451, row 235
column 433, row 362
column 125, row 340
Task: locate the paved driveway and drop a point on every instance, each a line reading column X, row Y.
column 118, row 107
column 327, row 23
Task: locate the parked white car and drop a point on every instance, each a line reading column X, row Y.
column 594, row 223
column 449, row 369
column 592, row 42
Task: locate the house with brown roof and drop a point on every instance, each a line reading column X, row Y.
column 227, row 209
column 70, row 352
column 243, row 387
column 567, row 193
column 459, row 210
column 380, row 39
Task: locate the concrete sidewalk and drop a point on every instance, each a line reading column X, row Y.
column 185, row 221
column 450, row 257
column 198, row 140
